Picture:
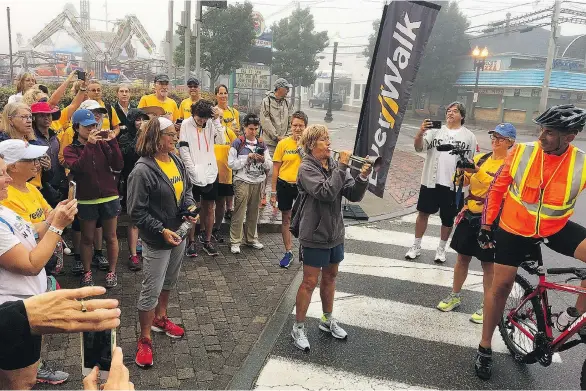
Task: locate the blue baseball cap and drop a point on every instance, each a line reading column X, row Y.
column 506, row 130
column 84, row 117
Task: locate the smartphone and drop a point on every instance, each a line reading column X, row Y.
column 436, row 124
column 179, row 121
column 96, row 350
column 72, row 190
column 80, row 74
column 260, row 151
column 104, row 134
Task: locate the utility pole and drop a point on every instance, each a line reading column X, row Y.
column 328, row 118
column 187, row 24
column 198, row 40
column 170, row 39
column 555, row 32
column 10, row 44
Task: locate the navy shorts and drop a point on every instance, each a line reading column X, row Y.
column 323, row 257
column 105, row 211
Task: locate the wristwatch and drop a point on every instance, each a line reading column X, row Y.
column 161, row 230
column 83, row 89
column 56, row 230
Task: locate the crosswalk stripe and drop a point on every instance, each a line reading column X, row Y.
column 285, row 374
column 408, row 320
column 395, row 238
column 411, row 218
column 416, row 272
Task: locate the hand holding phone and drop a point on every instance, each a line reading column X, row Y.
column 72, row 190
column 436, row 124
column 96, row 351
column 119, row 378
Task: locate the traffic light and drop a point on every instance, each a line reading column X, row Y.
column 215, row 4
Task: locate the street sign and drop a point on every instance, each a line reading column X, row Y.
column 215, row 4
column 475, row 100
column 253, row 76
column 337, row 63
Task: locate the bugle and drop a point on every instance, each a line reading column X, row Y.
column 376, row 164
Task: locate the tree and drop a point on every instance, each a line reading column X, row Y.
column 369, row 50
column 226, row 38
column 448, row 41
column 296, row 46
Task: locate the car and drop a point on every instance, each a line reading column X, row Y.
column 322, row 100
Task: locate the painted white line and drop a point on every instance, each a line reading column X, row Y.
column 420, row 273
column 433, row 219
column 286, row 374
column 395, row 238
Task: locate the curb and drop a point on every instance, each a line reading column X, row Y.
column 246, row 376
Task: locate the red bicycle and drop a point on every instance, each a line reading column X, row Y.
column 526, row 325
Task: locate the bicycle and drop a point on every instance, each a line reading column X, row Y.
column 531, row 317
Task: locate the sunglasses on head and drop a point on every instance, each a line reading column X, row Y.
column 253, row 121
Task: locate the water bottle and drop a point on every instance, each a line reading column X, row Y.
column 184, row 229
column 59, row 255
column 566, row 318
column 139, row 246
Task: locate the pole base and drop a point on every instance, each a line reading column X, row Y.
column 328, row 118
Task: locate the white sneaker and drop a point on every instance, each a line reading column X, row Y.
column 413, row 252
column 440, row 255
column 256, row 244
column 300, row 338
column 235, row 249
column 332, row 326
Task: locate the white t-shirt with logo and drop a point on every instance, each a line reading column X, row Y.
column 15, row 230
column 447, row 161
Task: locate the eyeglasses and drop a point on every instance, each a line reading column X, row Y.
column 24, row 117
column 193, row 86
column 497, row 138
column 96, row 90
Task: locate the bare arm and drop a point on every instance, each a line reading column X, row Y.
column 60, row 91
column 419, row 137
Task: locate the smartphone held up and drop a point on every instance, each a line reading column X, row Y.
column 72, row 190
column 96, row 351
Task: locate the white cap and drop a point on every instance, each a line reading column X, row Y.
column 164, row 123
column 93, row 105
column 15, row 150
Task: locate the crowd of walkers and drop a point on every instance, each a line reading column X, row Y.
column 169, row 167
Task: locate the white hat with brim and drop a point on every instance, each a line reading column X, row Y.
column 93, row 105
column 16, row 150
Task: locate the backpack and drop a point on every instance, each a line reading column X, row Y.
column 484, row 158
column 242, row 144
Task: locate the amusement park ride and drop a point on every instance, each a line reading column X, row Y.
column 104, row 64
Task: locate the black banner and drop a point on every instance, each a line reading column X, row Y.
column 404, row 31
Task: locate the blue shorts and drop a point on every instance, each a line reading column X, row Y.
column 323, row 257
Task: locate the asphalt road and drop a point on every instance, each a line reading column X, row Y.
column 397, row 339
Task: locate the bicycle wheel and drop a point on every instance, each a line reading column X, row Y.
column 583, row 377
column 530, row 316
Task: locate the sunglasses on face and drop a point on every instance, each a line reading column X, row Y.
column 193, row 85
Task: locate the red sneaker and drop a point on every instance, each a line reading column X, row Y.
column 164, row 325
column 144, row 353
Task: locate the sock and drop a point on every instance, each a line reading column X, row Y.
column 484, row 350
column 299, row 325
column 442, row 244
column 326, row 316
column 288, row 252
column 456, row 294
column 417, row 242
column 97, row 252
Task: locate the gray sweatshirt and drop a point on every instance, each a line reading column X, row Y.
column 321, row 224
column 274, row 118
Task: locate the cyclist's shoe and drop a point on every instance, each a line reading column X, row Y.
column 483, row 363
column 413, row 252
column 300, row 338
column 449, row 303
column 332, row 326
column 478, row 316
column 440, row 255
column 46, row 374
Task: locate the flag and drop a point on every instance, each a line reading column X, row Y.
column 403, row 33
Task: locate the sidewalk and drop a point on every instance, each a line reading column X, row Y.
column 222, row 302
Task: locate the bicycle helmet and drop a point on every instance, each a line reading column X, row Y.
column 566, row 118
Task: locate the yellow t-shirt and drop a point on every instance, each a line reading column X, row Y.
column 185, row 108
column 65, row 138
column 221, row 152
column 287, row 153
column 106, row 122
column 169, row 105
column 63, row 122
column 480, row 181
column 170, row 169
column 29, row 205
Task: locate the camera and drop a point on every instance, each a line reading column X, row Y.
column 463, row 162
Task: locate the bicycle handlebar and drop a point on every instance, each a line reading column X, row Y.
column 578, row 272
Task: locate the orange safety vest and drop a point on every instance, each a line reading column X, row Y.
column 536, row 209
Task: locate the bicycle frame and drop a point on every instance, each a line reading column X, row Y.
column 540, row 291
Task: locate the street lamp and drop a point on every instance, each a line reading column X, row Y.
column 328, row 118
column 479, row 57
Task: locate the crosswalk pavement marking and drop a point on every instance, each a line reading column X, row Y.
column 409, row 320
column 395, row 238
column 411, row 218
column 407, row 271
column 285, row 374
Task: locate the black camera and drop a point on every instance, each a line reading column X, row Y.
column 463, row 162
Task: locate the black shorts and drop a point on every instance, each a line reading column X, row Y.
column 322, row 257
column 225, row 190
column 512, row 250
column 440, row 198
column 465, row 239
column 208, row 193
column 77, row 228
column 286, row 194
column 105, row 211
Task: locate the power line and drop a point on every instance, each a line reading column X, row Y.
column 500, row 10
column 353, row 22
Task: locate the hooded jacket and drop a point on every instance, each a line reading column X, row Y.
column 321, row 224
column 274, row 118
column 151, row 202
column 128, row 140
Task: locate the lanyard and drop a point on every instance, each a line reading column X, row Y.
column 205, row 137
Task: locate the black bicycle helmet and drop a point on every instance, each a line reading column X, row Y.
column 563, row 117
